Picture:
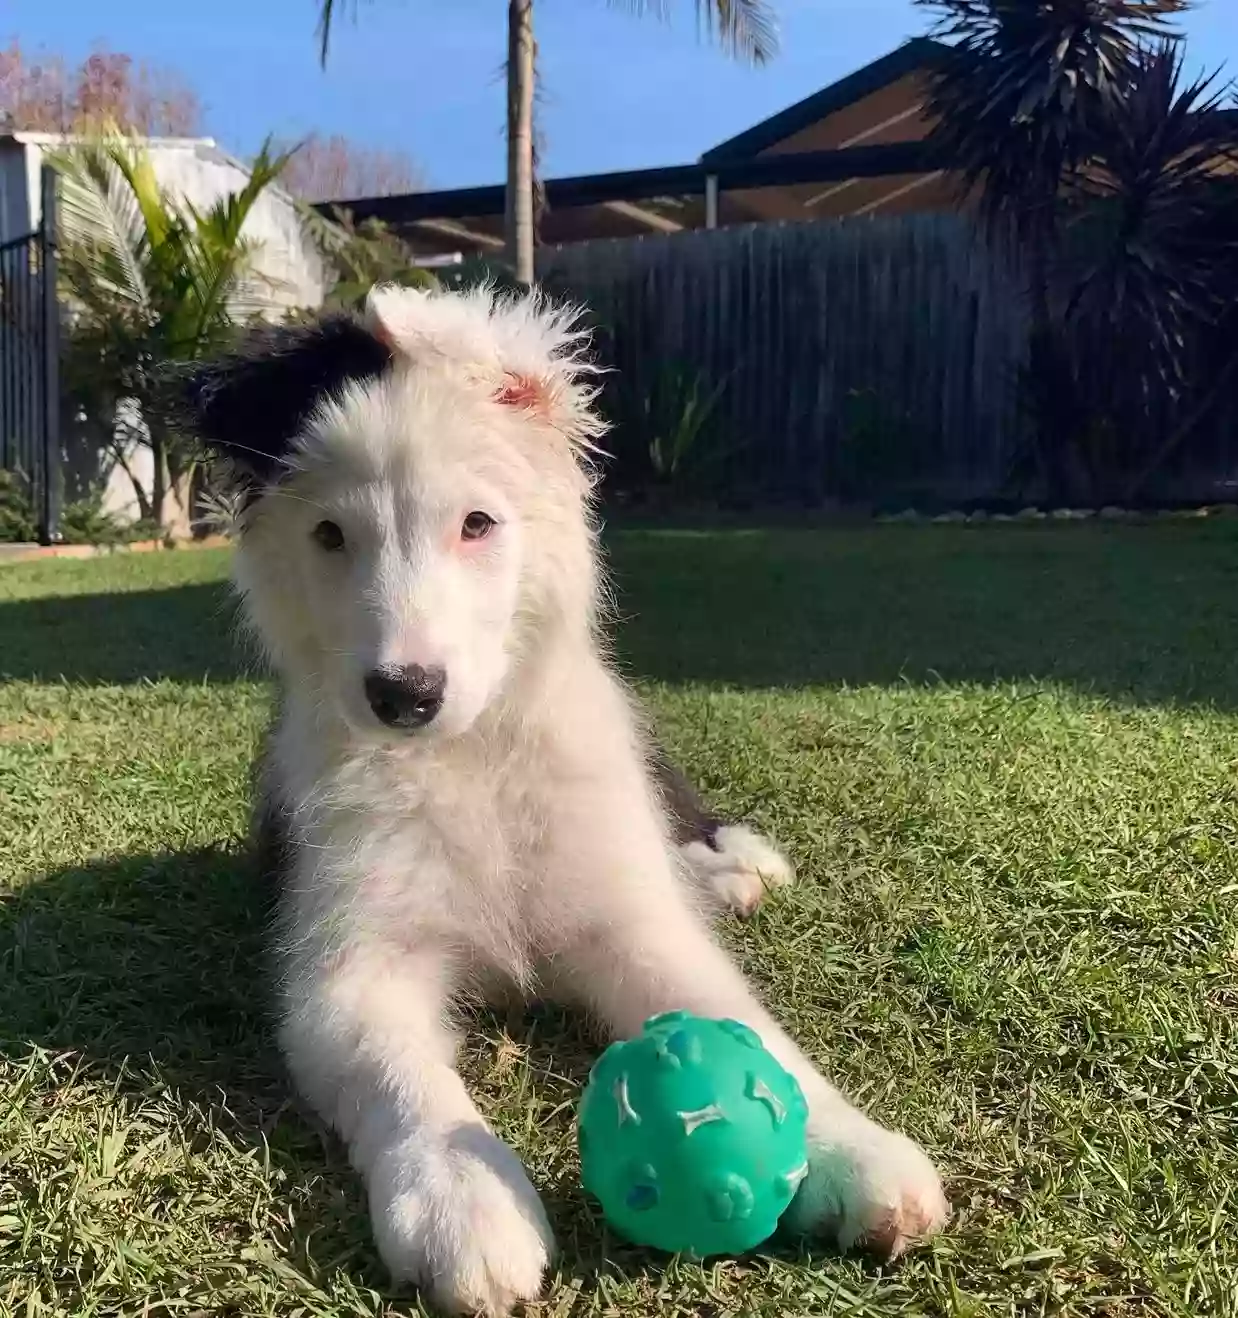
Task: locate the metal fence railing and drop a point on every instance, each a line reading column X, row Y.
column 30, row 364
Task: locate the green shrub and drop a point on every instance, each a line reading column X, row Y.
column 880, row 450
column 82, row 522
column 360, row 255
column 16, row 509
column 86, row 522
column 668, row 436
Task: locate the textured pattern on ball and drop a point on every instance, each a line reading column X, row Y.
column 692, row 1136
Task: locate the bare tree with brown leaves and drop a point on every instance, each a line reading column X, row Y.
column 44, row 94
column 337, row 169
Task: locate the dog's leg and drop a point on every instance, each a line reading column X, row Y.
column 730, row 863
column 864, row 1184
column 451, row 1205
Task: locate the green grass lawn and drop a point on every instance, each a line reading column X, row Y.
column 1005, row 760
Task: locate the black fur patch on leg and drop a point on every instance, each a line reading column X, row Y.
column 275, row 851
column 691, row 819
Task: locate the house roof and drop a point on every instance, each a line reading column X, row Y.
column 911, row 56
column 640, row 184
column 31, row 137
column 671, row 198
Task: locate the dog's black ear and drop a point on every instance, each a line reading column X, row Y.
column 249, row 405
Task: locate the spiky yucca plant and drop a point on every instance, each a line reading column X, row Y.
column 1152, row 268
column 1155, row 228
column 1068, row 121
column 1020, row 86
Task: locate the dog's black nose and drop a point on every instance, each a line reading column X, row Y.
column 406, row 698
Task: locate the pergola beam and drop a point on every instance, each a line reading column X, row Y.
column 644, row 185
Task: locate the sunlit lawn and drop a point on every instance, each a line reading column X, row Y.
column 1004, row 760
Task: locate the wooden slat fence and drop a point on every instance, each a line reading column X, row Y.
column 861, row 358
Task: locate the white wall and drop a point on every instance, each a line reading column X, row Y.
column 197, row 170
column 200, row 172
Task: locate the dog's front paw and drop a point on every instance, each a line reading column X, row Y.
column 739, row 869
column 876, row 1189
column 456, row 1215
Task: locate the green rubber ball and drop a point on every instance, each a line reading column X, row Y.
column 692, row 1136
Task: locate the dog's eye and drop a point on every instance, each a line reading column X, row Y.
column 329, row 536
column 477, row 526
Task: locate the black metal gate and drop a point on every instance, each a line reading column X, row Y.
column 30, row 364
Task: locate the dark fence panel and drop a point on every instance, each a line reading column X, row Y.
column 857, row 358
column 29, row 364
column 866, row 359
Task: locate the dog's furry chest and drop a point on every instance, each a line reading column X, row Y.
column 413, row 854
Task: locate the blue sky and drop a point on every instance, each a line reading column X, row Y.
column 620, row 93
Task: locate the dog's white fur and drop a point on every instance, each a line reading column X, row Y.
column 518, row 839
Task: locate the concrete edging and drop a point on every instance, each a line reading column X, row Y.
column 26, row 553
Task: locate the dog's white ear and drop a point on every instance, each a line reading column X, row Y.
column 402, row 319
column 527, row 352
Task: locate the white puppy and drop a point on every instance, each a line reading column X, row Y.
column 458, row 793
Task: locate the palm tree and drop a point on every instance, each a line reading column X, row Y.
column 744, row 28
column 150, row 280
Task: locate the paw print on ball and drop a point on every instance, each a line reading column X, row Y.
column 692, row 1136
column 679, row 1048
column 742, row 1034
column 730, row 1199
column 643, row 1192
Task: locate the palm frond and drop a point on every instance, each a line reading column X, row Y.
column 328, row 16
column 163, row 278
column 103, row 237
column 328, row 233
column 747, row 29
column 138, row 171
column 254, row 295
column 217, row 258
column 334, row 237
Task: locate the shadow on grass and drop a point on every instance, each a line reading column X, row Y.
column 1145, row 614
column 186, row 633
column 150, row 973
